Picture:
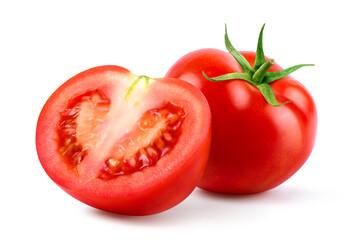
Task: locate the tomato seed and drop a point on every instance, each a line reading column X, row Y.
column 132, row 161
column 164, row 113
column 143, row 158
column 113, row 164
column 159, row 144
column 168, row 137
column 68, row 141
column 152, row 153
column 173, row 118
column 78, row 157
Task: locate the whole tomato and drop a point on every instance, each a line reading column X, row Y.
column 124, row 143
column 263, row 121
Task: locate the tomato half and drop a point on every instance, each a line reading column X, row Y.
column 123, row 143
column 255, row 146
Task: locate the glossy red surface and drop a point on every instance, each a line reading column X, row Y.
column 255, row 146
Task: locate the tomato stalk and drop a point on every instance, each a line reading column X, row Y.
column 258, row 75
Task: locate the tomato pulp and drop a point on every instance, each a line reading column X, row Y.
column 255, row 146
column 123, row 143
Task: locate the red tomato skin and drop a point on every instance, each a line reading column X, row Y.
column 152, row 190
column 161, row 197
column 255, row 146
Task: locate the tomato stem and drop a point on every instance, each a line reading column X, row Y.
column 258, row 76
column 261, row 72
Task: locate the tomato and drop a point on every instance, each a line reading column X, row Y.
column 263, row 128
column 122, row 143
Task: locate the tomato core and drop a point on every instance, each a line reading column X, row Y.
column 154, row 135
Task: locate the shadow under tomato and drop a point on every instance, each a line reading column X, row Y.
column 169, row 217
column 279, row 195
column 207, row 206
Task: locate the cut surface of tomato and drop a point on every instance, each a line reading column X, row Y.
column 123, row 143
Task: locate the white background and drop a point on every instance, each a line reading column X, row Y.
column 43, row 43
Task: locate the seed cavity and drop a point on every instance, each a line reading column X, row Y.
column 71, row 149
column 156, row 134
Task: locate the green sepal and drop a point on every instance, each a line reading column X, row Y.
column 229, row 76
column 268, row 94
column 260, row 56
column 257, row 76
column 273, row 76
column 244, row 64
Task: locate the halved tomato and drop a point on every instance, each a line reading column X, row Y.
column 125, row 143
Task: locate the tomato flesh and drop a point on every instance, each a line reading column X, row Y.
column 154, row 135
column 123, row 143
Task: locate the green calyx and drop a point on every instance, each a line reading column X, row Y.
column 258, row 75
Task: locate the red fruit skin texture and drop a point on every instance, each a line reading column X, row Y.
column 153, row 189
column 255, row 146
